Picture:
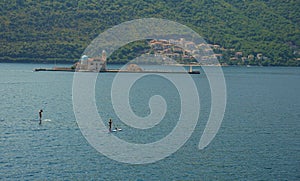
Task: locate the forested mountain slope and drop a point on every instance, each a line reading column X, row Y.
column 61, row 29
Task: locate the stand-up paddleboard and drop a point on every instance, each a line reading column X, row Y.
column 117, row 129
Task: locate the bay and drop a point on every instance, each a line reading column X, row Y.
column 258, row 139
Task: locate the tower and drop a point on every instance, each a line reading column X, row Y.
column 103, row 68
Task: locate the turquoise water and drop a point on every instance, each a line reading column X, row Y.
column 259, row 138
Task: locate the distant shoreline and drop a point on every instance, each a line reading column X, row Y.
column 39, row 61
column 61, row 62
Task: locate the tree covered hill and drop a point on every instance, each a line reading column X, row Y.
column 61, row 29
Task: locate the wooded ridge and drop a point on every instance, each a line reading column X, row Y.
column 264, row 32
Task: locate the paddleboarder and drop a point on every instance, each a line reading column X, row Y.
column 110, row 124
column 40, row 115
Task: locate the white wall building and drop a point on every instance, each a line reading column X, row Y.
column 95, row 64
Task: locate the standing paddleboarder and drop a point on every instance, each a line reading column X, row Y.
column 40, row 115
column 110, row 124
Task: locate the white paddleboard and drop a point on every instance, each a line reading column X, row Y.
column 115, row 130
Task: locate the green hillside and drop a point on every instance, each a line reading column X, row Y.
column 60, row 30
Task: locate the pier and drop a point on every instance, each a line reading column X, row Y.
column 116, row 71
column 99, row 65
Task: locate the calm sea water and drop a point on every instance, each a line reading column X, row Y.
column 259, row 138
